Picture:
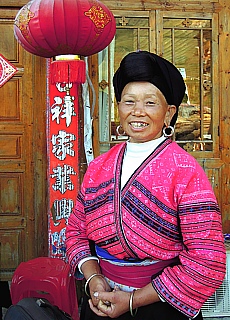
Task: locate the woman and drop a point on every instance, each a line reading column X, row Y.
column 148, row 209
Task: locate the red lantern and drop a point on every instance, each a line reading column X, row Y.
column 55, row 27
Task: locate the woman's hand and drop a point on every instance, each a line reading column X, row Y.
column 98, row 283
column 111, row 304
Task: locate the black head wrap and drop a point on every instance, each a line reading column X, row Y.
column 147, row 66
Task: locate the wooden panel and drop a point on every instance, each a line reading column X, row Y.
column 8, row 47
column 11, row 194
column 10, row 101
column 213, row 168
column 10, row 146
column 11, row 251
column 12, row 167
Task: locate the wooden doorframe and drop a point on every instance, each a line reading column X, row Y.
column 40, row 157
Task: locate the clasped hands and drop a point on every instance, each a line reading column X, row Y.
column 107, row 303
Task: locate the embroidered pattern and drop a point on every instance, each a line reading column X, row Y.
column 99, row 17
column 23, row 20
column 150, row 218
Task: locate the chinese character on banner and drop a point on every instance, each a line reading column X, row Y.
column 63, row 140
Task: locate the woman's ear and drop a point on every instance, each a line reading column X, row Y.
column 169, row 114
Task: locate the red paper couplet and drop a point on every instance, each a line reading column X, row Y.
column 63, row 161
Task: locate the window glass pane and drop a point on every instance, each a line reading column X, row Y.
column 144, row 39
column 135, row 22
column 188, row 45
column 128, row 40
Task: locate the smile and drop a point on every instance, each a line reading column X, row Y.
column 137, row 125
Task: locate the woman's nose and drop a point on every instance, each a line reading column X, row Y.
column 138, row 109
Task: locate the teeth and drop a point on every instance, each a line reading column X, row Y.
column 138, row 124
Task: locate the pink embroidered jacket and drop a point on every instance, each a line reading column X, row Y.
column 167, row 209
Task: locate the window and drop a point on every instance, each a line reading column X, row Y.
column 189, row 43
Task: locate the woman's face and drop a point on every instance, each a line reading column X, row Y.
column 143, row 111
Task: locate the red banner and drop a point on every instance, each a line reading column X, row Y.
column 63, row 161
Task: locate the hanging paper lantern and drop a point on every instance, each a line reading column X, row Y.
column 48, row 28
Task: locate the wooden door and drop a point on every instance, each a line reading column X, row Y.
column 23, row 211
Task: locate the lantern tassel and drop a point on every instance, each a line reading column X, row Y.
column 68, row 71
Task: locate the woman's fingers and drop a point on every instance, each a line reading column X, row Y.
column 96, row 310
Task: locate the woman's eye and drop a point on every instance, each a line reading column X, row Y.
column 150, row 103
column 129, row 102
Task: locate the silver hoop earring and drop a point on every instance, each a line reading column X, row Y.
column 169, row 128
column 118, row 131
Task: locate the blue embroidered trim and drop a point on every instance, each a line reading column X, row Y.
column 100, row 186
column 171, row 299
column 150, row 218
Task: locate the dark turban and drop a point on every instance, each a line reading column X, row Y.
column 147, row 66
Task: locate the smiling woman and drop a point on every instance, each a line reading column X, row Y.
column 148, row 208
